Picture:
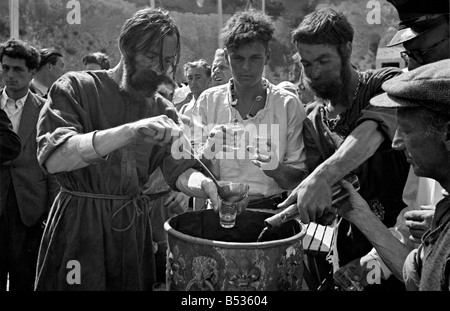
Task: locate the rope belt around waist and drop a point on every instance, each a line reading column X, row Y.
column 268, row 203
column 132, row 199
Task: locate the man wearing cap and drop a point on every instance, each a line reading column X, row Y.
column 422, row 97
column 424, row 32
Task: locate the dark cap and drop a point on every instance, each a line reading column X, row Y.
column 427, row 86
column 417, row 17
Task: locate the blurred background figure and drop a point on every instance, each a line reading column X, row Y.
column 220, row 70
column 289, row 86
column 198, row 76
column 96, row 61
column 51, row 67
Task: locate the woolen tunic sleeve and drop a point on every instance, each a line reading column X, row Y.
column 60, row 118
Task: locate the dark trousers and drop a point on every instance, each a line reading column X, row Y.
column 19, row 247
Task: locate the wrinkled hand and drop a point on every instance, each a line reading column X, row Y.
column 313, row 196
column 419, row 221
column 176, row 202
column 353, row 204
column 210, row 190
column 160, row 130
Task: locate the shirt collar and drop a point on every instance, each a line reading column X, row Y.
column 20, row 102
column 41, row 88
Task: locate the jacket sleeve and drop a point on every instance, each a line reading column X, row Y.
column 9, row 141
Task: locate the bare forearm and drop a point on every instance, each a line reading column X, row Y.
column 69, row 156
column 360, row 145
column 389, row 248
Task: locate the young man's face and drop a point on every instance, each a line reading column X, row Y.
column 323, row 69
column 197, row 80
column 16, row 74
column 423, row 148
column 247, row 63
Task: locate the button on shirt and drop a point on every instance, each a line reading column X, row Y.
column 13, row 108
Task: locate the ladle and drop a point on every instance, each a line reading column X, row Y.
column 230, row 191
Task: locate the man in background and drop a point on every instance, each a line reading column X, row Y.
column 51, row 67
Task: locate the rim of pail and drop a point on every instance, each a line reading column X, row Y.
column 223, row 244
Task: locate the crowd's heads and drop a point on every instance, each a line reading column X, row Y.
column 325, row 26
column 96, row 61
column 417, row 17
column 146, row 29
column 198, row 75
column 245, row 27
column 15, row 48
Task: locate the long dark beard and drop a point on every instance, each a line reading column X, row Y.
column 333, row 90
column 144, row 82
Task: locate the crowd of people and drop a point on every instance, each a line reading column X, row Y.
column 88, row 170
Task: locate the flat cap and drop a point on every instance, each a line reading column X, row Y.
column 417, row 17
column 427, row 86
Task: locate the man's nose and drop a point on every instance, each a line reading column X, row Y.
column 397, row 142
column 246, row 65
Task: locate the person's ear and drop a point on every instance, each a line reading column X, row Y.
column 268, row 55
column 49, row 66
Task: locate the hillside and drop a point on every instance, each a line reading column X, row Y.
column 44, row 23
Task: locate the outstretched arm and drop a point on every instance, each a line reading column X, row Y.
column 313, row 195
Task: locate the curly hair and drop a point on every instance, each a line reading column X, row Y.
column 16, row 48
column 245, row 27
column 325, row 26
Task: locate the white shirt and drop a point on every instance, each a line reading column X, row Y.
column 13, row 108
column 282, row 118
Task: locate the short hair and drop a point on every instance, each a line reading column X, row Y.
column 325, row 26
column 219, row 53
column 245, row 27
column 146, row 28
column 201, row 63
column 98, row 58
column 16, row 48
column 48, row 55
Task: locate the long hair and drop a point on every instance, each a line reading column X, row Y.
column 147, row 28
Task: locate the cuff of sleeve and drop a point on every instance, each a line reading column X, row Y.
column 190, row 183
column 384, row 269
column 86, row 149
